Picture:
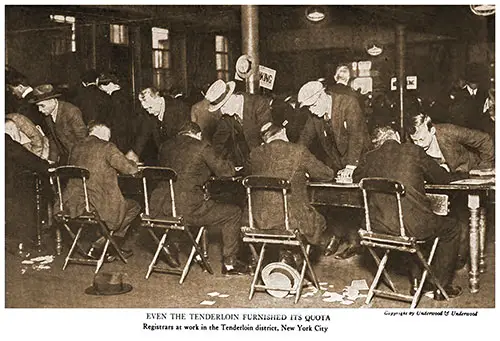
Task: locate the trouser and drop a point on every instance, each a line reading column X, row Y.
column 225, row 216
column 445, row 258
column 132, row 210
column 343, row 223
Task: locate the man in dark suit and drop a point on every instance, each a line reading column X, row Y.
column 456, row 149
column 66, row 127
column 238, row 130
column 92, row 102
column 207, row 120
column 280, row 158
column 410, row 165
column 340, row 127
column 166, row 116
column 103, row 160
column 20, row 213
column 195, row 161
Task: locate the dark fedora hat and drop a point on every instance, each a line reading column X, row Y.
column 108, row 283
column 43, row 92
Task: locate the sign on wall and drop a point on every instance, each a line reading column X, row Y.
column 411, row 83
column 267, row 77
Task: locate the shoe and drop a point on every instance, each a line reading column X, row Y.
column 287, row 257
column 235, row 267
column 461, row 262
column 426, row 289
column 171, row 256
column 110, row 258
column 349, row 252
column 452, row 291
column 333, row 246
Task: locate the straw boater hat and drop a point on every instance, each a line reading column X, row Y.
column 244, row 66
column 309, row 93
column 282, row 276
column 43, row 92
column 218, row 94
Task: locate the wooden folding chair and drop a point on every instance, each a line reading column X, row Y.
column 168, row 224
column 285, row 236
column 388, row 243
column 89, row 218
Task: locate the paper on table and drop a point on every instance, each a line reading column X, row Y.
column 475, row 181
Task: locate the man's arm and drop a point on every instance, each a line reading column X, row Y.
column 316, row 169
column 480, row 142
column 217, row 165
column 119, row 162
column 146, row 127
column 433, row 172
column 77, row 125
column 221, row 136
column 356, row 131
column 20, row 155
column 308, row 133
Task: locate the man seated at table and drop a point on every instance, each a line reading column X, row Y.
column 456, row 149
column 195, row 162
column 103, row 160
column 278, row 157
column 409, row 165
column 22, row 130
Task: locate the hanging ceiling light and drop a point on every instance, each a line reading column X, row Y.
column 373, row 48
column 315, row 13
column 483, row 10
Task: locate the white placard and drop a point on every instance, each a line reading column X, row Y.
column 267, row 77
column 411, row 83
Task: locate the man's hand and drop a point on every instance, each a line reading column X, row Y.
column 345, row 175
column 132, row 156
column 445, row 166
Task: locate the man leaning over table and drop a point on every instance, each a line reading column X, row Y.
column 456, row 149
column 339, row 125
column 409, row 165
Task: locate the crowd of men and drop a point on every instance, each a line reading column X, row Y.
column 320, row 134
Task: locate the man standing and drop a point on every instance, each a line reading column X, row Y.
column 238, row 130
column 166, row 116
column 93, row 103
column 103, row 160
column 339, row 126
column 280, row 158
column 195, row 161
column 66, row 127
column 207, row 120
column 409, row 165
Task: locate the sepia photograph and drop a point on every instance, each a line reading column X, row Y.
column 250, row 156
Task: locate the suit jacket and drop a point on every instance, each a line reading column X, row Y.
column 67, row 131
column 38, row 144
column 466, row 109
column 464, row 149
column 92, row 102
column 408, row 164
column 290, row 161
column 256, row 112
column 348, row 126
column 230, row 142
column 176, row 114
column 103, row 160
column 194, row 161
column 205, row 119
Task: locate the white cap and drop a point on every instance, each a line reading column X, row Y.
column 309, row 93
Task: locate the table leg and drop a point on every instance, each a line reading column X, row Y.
column 38, row 199
column 482, row 239
column 473, row 204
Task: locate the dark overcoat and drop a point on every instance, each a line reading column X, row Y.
column 195, row 162
column 205, row 119
column 103, row 160
column 349, row 130
column 408, row 164
column 464, row 149
column 67, row 131
column 289, row 161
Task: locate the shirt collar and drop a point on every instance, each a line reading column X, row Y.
column 162, row 109
column 328, row 114
column 471, row 91
column 54, row 112
column 434, row 150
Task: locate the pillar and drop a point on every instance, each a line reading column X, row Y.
column 250, row 43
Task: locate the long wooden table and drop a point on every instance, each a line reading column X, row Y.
column 349, row 195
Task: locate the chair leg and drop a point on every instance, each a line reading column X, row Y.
column 384, row 272
column 157, row 240
column 303, row 274
column 195, row 249
column 305, row 252
column 73, row 236
column 257, row 271
column 157, row 253
column 428, row 269
column 380, row 269
column 100, row 261
column 72, row 249
column 198, row 249
column 109, row 237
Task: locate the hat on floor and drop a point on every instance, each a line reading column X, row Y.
column 108, row 283
column 218, row 94
column 280, row 275
column 43, row 92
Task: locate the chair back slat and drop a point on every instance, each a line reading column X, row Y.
column 382, row 185
column 265, row 182
column 370, row 186
column 72, row 172
column 256, row 182
column 150, row 174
